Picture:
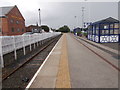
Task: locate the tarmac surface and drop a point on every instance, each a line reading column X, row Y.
column 87, row 70
column 71, row 65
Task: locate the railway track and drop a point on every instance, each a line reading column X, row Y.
column 104, row 59
column 20, row 76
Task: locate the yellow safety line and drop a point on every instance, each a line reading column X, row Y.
column 63, row 76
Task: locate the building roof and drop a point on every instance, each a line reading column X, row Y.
column 33, row 26
column 77, row 28
column 5, row 10
column 107, row 20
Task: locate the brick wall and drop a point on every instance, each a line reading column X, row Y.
column 14, row 23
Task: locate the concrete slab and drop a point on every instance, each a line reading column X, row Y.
column 46, row 78
column 43, row 82
column 86, row 69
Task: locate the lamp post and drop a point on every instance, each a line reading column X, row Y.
column 39, row 19
column 83, row 17
column 75, row 21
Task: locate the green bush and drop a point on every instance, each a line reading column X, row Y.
column 64, row 29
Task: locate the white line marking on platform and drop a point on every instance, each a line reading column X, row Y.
column 28, row 86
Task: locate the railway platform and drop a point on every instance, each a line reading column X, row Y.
column 73, row 63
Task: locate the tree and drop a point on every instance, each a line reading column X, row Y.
column 64, row 29
column 45, row 27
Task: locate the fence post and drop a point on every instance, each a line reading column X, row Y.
column 2, row 62
column 15, row 54
column 34, row 41
column 42, row 38
column 37, row 40
column 30, row 42
column 1, row 54
column 23, row 45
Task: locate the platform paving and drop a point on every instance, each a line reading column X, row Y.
column 72, row 65
column 55, row 71
column 88, row 70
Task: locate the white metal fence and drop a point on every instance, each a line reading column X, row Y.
column 13, row 43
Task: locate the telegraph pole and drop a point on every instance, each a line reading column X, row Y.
column 39, row 19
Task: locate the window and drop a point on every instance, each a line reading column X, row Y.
column 0, row 30
column 97, row 27
column 11, row 20
column 111, row 31
column 17, row 22
column 90, row 32
column 111, row 28
column 18, row 30
column 111, row 25
column 116, row 31
column 106, row 27
column 97, row 31
column 22, row 30
column 32, row 29
column 106, row 31
column 93, row 31
column 89, row 27
column 116, row 25
column 93, row 27
column 102, row 32
column 12, row 29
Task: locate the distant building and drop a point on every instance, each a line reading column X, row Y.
column 77, row 31
column 11, row 21
column 33, row 29
column 103, row 31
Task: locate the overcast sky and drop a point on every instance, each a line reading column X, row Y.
column 58, row 13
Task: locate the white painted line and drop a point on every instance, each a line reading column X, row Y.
column 28, row 86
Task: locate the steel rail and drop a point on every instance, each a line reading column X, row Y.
column 29, row 59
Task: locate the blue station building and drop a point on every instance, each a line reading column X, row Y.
column 104, row 31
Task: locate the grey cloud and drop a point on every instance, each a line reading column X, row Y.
column 56, row 14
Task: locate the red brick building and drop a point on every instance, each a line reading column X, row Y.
column 11, row 21
column 33, row 29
